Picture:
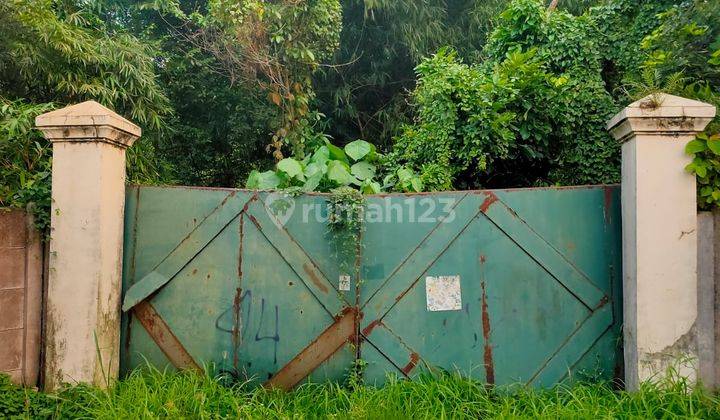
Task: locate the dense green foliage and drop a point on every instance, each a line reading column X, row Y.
column 218, row 130
column 278, row 44
column 364, row 91
column 170, row 395
column 61, row 52
column 706, row 166
column 463, row 93
column 238, row 76
column 687, row 40
column 25, row 168
column 684, row 58
column 52, row 53
column 530, row 107
column 538, row 101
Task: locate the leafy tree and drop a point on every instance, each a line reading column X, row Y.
column 465, row 116
column 52, row 51
column 543, row 122
column 58, row 52
column 218, row 130
column 238, row 74
column 537, row 102
column 688, row 41
column 24, row 159
column 278, row 45
column 683, row 57
column 364, row 92
column 219, row 126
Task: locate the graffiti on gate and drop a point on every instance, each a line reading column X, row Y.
column 473, row 289
column 233, row 321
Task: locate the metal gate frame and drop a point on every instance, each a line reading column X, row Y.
column 416, row 264
column 341, row 332
column 359, row 323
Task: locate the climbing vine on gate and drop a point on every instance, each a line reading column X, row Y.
column 346, row 224
column 346, row 214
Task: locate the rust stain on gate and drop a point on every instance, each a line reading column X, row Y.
column 310, row 270
column 414, row 358
column 487, row 354
column 325, row 345
column 164, row 337
column 236, row 326
column 277, row 314
column 237, row 301
column 490, row 198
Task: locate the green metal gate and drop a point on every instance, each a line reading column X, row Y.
column 504, row 286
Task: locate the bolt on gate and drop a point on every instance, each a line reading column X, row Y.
column 504, row 286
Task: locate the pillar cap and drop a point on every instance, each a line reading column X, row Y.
column 661, row 114
column 87, row 122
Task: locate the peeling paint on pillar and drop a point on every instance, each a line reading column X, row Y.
column 680, row 356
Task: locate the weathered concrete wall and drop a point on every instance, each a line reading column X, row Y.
column 21, row 267
column 708, row 321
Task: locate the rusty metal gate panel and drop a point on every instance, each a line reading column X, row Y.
column 211, row 277
column 504, row 286
column 538, row 272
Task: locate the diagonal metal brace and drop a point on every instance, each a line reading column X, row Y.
column 203, row 234
column 342, row 331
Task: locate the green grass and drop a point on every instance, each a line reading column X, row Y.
column 155, row 394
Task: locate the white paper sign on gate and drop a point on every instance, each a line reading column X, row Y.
column 344, row 283
column 443, row 293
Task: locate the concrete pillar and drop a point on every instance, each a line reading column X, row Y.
column 82, row 333
column 659, row 215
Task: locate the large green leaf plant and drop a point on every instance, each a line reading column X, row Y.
column 357, row 165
